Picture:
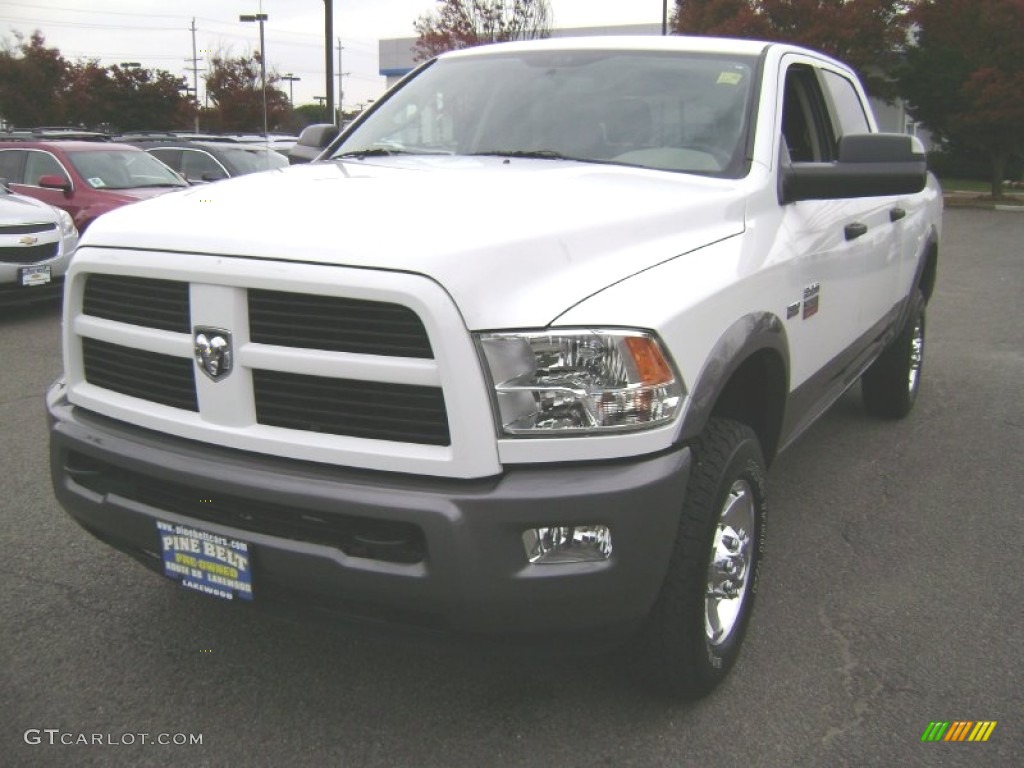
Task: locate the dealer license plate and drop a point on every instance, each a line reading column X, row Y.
column 31, row 276
column 206, row 562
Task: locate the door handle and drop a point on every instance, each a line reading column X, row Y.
column 855, row 230
column 896, row 214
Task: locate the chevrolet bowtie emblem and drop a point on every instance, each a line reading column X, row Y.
column 28, row 240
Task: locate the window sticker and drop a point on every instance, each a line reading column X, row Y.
column 729, row 78
column 97, row 183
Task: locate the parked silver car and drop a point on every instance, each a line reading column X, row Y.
column 36, row 245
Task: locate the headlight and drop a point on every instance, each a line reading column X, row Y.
column 67, row 224
column 573, row 382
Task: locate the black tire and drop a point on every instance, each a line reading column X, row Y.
column 891, row 384
column 677, row 653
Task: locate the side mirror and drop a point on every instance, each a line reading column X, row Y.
column 54, row 181
column 312, row 140
column 868, row 165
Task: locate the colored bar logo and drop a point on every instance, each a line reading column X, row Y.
column 959, row 730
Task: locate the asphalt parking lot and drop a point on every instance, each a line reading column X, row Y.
column 891, row 597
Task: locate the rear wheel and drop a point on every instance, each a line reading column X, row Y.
column 890, row 385
column 696, row 628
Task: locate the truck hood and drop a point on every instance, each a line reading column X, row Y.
column 515, row 242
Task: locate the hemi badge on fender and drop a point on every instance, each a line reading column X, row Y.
column 811, row 299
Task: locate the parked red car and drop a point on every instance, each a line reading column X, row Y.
column 85, row 178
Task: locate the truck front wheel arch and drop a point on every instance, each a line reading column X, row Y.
column 744, row 379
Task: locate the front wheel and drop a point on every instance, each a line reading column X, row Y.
column 890, row 385
column 694, row 633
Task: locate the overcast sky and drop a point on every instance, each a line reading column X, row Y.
column 157, row 34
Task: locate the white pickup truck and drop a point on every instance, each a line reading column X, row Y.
column 512, row 358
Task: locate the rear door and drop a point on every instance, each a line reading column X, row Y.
column 879, row 289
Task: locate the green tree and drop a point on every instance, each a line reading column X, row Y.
column 234, row 86
column 964, row 77
column 39, row 87
column 33, row 83
column 466, row 23
column 127, row 98
column 869, row 35
column 308, row 114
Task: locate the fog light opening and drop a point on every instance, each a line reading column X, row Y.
column 567, row 544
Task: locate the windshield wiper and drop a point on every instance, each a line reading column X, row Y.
column 372, row 152
column 528, row 154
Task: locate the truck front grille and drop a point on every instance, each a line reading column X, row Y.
column 323, row 359
column 148, row 375
column 336, row 324
column 161, row 304
column 370, row 409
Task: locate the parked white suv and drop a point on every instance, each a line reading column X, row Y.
column 514, row 360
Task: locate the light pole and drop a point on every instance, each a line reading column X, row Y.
column 291, row 92
column 260, row 17
column 328, row 57
column 664, row 18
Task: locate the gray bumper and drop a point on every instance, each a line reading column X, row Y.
column 379, row 549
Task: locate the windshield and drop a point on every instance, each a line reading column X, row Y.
column 123, row 169
column 667, row 111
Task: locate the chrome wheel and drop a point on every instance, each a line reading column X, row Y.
column 695, row 631
column 729, row 568
column 916, row 355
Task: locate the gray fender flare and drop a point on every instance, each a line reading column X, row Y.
column 744, row 338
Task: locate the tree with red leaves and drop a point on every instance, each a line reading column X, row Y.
column 866, row 34
column 466, row 23
column 964, row 77
column 234, row 85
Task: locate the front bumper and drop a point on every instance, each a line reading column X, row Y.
column 13, row 294
column 382, row 550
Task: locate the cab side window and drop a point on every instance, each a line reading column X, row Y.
column 806, row 129
column 846, row 104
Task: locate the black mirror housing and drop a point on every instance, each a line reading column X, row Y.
column 868, row 165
